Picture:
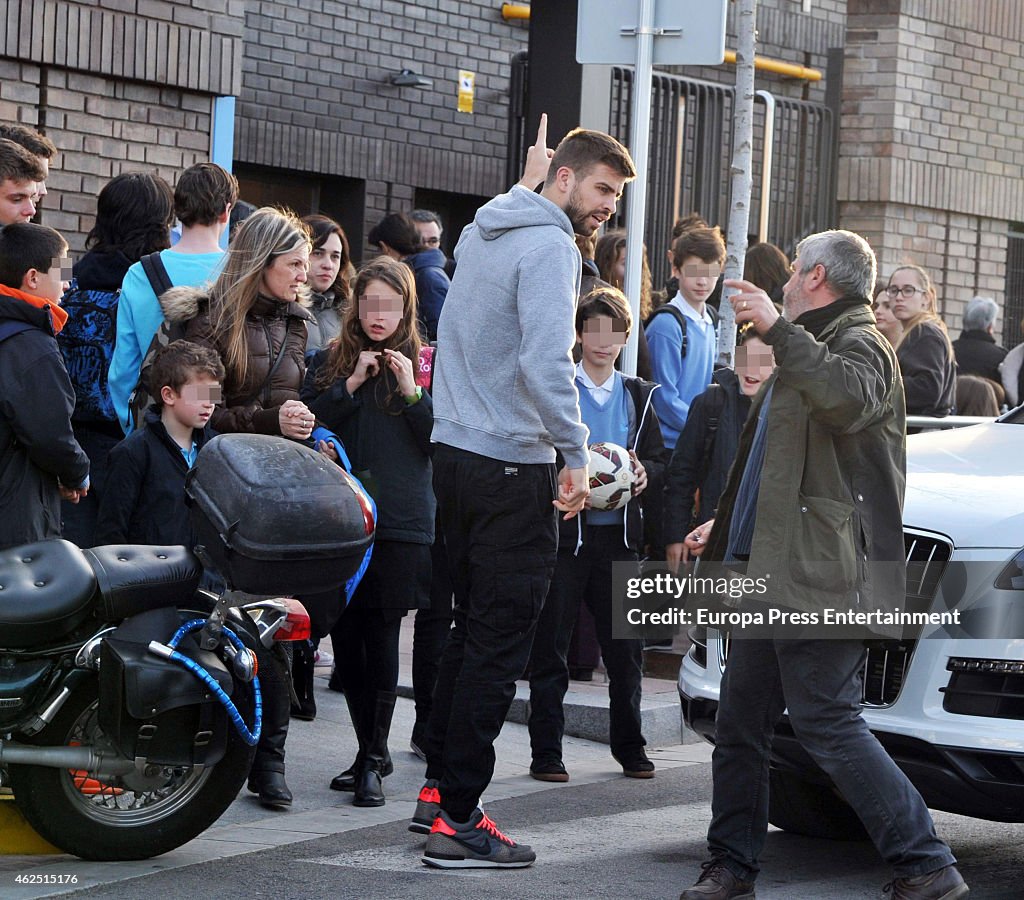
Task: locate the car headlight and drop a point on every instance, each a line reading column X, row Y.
column 1012, row 576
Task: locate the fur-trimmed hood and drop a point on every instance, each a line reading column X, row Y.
column 180, row 304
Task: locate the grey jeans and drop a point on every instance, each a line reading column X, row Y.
column 819, row 681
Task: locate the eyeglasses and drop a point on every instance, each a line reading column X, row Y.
column 908, row 291
column 432, row 242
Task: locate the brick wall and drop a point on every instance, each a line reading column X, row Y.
column 118, row 85
column 786, row 33
column 930, row 155
column 317, row 98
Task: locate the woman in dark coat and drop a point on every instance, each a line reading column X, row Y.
column 924, row 351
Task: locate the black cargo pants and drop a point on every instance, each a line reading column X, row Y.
column 500, row 529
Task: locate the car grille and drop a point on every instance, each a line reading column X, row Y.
column 993, row 688
column 887, row 662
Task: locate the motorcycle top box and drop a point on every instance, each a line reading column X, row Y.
column 276, row 517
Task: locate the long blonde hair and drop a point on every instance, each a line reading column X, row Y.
column 931, row 314
column 343, row 352
column 265, row 235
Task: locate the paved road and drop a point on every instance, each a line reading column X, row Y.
column 600, row 836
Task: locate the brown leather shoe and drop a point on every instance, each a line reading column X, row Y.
column 716, row 882
column 943, row 884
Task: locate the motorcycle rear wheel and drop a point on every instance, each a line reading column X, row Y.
column 106, row 819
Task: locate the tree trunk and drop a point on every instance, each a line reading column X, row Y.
column 741, row 172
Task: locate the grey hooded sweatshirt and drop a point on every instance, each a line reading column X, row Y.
column 504, row 383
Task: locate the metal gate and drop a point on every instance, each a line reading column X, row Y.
column 794, row 194
column 691, row 151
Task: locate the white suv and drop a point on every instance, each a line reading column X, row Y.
column 948, row 708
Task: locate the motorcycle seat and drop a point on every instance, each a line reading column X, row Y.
column 135, row 578
column 46, row 591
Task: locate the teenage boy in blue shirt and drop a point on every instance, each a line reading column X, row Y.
column 684, row 369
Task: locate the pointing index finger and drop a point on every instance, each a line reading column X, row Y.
column 542, row 131
column 741, row 286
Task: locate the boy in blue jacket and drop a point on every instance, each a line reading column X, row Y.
column 616, row 408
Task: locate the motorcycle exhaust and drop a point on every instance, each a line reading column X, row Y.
column 95, row 762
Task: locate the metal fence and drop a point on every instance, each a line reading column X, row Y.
column 691, row 152
column 691, row 148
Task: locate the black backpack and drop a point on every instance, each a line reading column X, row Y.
column 141, row 398
column 677, row 313
column 87, row 344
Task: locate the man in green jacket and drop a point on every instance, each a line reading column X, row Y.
column 813, row 506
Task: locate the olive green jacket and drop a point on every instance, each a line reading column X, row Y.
column 828, row 531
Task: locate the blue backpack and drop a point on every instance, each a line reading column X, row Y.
column 87, row 344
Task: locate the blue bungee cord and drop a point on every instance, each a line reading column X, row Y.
column 170, row 651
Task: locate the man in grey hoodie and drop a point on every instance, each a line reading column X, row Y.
column 505, row 408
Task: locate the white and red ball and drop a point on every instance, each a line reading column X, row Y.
column 611, row 476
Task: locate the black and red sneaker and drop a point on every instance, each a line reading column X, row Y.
column 476, row 844
column 428, row 805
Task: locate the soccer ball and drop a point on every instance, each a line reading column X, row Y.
column 611, row 476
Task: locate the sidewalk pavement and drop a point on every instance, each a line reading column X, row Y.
column 320, row 749
column 586, row 702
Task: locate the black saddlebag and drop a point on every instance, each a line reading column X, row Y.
column 153, row 707
column 276, row 517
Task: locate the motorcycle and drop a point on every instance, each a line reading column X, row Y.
column 129, row 698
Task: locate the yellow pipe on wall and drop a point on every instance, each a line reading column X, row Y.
column 792, row 70
column 514, row 11
column 779, row 67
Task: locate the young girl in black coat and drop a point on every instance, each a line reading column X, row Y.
column 363, row 388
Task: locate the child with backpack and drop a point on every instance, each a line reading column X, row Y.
column 40, row 460
column 134, row 212
column 364, row 388
column 700, row 463
column 683, row 343
column 616, row 408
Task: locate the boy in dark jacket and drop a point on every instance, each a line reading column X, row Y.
column 145, row 498
column 697, row 472
column 616, row 408
column 40, row 460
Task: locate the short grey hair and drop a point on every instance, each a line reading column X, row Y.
column 847, row 258
column 980, row 314
column 426, row 215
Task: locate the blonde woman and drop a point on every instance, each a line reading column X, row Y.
column 924, row 349
column 254, row 318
